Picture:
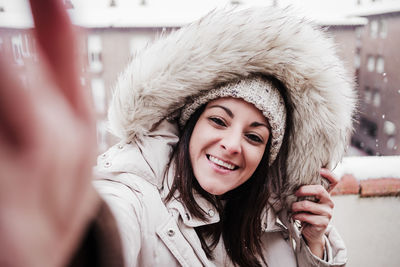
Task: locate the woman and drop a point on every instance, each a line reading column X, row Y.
column 223, row 139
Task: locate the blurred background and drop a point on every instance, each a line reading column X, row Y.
column 367, row 34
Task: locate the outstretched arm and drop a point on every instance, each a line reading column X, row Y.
column 47, row 150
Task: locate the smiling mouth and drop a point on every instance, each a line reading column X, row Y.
column 221, row 163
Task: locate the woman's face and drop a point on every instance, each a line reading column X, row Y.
column 227, row 144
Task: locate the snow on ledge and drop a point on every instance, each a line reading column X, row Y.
column 370, row 167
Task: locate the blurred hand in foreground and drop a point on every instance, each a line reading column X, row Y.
column 47, row 150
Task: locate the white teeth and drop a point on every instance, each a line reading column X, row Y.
column 221, row 163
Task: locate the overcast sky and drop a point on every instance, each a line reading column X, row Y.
column 312, row 6
column 182, row 11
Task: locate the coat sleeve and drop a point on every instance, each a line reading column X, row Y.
column 336, row 253
column 126, row 208
column 101, row 244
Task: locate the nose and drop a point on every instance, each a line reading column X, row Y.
column 231, row 142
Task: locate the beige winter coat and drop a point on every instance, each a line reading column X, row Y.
column 155, row 233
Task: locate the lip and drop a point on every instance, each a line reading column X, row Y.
column 217, row 168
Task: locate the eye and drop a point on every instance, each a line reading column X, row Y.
column 217, row 121
column 254, row 138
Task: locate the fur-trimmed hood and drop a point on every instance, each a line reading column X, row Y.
column 228, row 45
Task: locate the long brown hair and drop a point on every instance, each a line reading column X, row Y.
column 240, row 223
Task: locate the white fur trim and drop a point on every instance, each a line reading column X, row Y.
column 228, row 45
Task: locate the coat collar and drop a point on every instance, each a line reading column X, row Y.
column 119, row 159
column 187, row 218
column 270, row 222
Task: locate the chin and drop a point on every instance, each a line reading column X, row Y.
column 214, row 189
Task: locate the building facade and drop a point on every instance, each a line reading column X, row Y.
column 378, row 128
column 106, row 51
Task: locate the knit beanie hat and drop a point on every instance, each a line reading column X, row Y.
column 262, row 93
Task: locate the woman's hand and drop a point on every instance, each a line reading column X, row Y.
column 315, row 216
column 47, row 149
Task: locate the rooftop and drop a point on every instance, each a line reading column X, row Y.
column 369, row 176
column 379, row 8
column 342, row 21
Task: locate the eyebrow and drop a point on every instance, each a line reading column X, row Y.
column 257, row 124
column 227, row 110
column 230, row 114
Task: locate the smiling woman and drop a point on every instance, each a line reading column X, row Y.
column 229, row 144
column 224, row 141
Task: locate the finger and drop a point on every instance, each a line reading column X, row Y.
column 321, row 222
column 333, row 180
column 310, row 207
column 315, row 190
column 57, row 45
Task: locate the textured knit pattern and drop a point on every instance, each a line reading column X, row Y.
column 229, row 45
column 259, row 92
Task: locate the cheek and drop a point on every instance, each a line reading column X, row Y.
column 192, row 150
column 193, row 143
column 198, row 139
column 254, row 158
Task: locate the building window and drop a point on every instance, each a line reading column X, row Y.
column 373, row 28
column 380, row 64
column 34, row 50
column 389, row 128
column 137, row 43
column 99, row 95
column 16, row 42
column 371, row 63
column 94, row 53
column 382, row 28
column 367, row 95
column 391, row 143
column 25, row 46
column 376, row 100
column 359, row 31
column 369, row 127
